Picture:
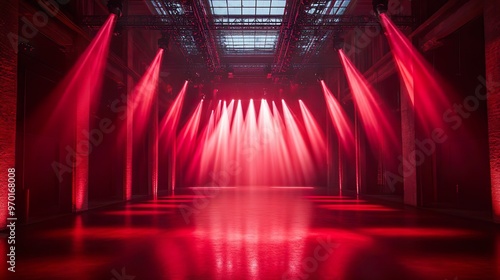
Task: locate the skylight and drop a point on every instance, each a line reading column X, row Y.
column 238, row 42
column 248, row 7
column 338, row 8
column 244, row 41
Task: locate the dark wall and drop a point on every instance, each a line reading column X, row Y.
column 462, row 162
column 39, row 72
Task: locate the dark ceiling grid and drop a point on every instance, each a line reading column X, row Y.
column 203, row 38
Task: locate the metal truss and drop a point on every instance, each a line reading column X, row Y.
column 303, row 31
column 244, row 23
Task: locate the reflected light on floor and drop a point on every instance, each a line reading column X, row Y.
column 419, row 232
column 357, row 207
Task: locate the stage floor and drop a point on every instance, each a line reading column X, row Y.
column 255, row 233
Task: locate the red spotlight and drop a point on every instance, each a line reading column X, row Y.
column 414, row 70
column 373, row 114
column 340, row 121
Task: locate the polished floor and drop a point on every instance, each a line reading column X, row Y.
column 255, row 233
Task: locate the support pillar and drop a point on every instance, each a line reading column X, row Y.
column 340, row 150
column 408, row 172
column 129, row 125
column 81, row 145
column 153, row 149
column 172, row 163
column 492, row 54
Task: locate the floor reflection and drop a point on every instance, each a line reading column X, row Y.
column 256, row 233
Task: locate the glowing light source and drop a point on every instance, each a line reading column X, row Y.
column 380, row 6
column 115, row 7
column 260, row 147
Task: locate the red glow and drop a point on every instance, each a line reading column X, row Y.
column 314, row 133
column 171, row 119
column 294, row 187
column 497, row 255
column 337, row 200
column 187, row 136
column 237, row 237
column 260, row 147
column 373, row 113
column 357, row 207
column 68, row 109
column 167, row 133
column 144, row 94
column 139, row 115
column 107, row 232
column 397, row 232
column 340, row 121
column 139, row 212
column 83, row 80
column 237, row 135
column 326, row 197
column 418, row 77
column 297, row 144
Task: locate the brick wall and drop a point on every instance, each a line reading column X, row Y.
column 492, row 36
column 8, row 98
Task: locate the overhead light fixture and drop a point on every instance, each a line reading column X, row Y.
column 380, row 6
column 269, row 71
column 338, row 43
column 25, row 47
column 320, row 75
column 115, row 7
column 230, row 72
column 163, row 41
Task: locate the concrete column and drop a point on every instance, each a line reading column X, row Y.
column 172, row 163
column 357, row 153
column 153, row 148
column 129, row 125
column 340, row 152
column 81, row 144
column 8, row 98
column 407, row 172
column 492, row 54
column 333, row 145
